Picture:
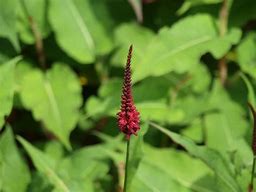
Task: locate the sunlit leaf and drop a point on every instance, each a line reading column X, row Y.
column 45, row 165
column 54, row 98
column 179, row 171
column 37, row 12
column 8, row 11
column 14, row 173
column 180, row 48
column 7, row 85
column 227, row 124
column 210, row 157
column 246, row 54
column 77, row 30
column 187, row 4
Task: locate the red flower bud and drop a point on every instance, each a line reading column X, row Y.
column 128, row 117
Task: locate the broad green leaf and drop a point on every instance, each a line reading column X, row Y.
column 243, row 156
column 8, row 11
column 83, row 170
column 77, row 172
column 39, row 183
column 246, row 54
column 88, row 165
column 14, row 173
column 180, row 48
column 136, row 155
column 150, row 178
column 192, row 106
column 152, row 105
column 136, row 35
column 227, row 124
column 77, row 30
column 45, row 165
column 225, row 177
column 244, row 179
column 55, row 150
column 37, row 10
column 195, row 130
column 7, row 85
column 181, row 172
column 251, row 95
column 54, row 98
column 23, row 68
column 195, row 79
column 191, row 3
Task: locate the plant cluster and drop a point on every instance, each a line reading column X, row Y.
column 61, row 78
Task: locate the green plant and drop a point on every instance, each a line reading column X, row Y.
column 61, row 75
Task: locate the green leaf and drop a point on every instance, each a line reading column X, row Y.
column 8, row 21
column 191, row 3
column 177, row 171
column 150, row 178
column 192, row 106
column 79, row 172
column 180, row 48
column 37, row 10
column 246, row 54
column 196, row 78
column 210, row 157
column 45, row 165
column 83, row 169
column 136, row 155
column 55, row 150
column 54, row 98
column 135, row 34
column 152, row 105
column 77, row 30
column 14, row 173
column 195, row 130
column 23, row 68
column 39, row 183
column 7, row 85
column 228, row 124
column 251, row 95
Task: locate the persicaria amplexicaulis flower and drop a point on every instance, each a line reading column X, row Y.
column 128, row 117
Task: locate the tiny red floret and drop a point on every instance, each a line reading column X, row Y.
column 128, row 117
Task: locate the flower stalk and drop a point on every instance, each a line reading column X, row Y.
column 128, row 116
column 126, row 164
column 250, row 188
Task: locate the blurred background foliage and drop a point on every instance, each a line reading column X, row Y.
column 61, row 67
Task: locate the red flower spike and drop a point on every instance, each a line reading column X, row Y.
column 128, row 117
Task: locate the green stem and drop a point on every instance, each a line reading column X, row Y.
column 126, row 164
column 253, row 170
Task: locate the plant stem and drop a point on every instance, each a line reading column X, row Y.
column 253, row 170
column 37, row 35
column 223, row 18
column 126, row 164
column 223, row 25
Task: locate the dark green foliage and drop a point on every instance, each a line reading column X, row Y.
column 61, row 69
